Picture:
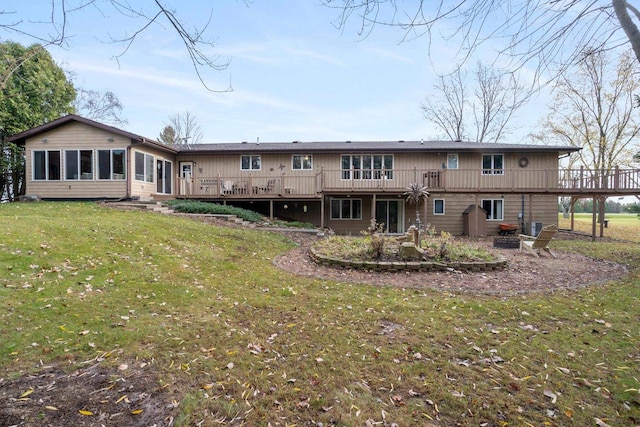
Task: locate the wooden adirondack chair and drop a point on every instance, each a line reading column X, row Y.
column 540, row 242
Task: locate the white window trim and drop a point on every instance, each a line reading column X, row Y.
column 457, row 160
column 46, row 166
column 388, row 173
column 250, row 156
column 124, row 166
column 492, row 171
column 489, row 213
column 145, row 164
column 443, row 207
column 93, row 165
column 302, row 156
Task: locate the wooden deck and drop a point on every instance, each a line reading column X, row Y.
column 520, row 181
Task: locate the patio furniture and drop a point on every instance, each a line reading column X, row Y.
column 265, row 189
column 540, row 242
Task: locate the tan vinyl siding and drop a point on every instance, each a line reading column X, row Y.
column 349, row 226
column 541, row 208
column 145, row 189
column 75, row 136
column 452, row 221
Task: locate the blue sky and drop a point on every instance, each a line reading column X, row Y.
column 294, row 75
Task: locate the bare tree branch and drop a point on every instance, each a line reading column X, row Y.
column 594, row 110
column 185, row 127
column 64, row 11
column 486, row 113
column 547, row 35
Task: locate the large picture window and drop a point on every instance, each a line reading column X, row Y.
column 78, row 164
column 492, row 164
column 494, row 208
column 301, row 162
column 144, row 167
column 346, row 209
column 46, row 165
column 367, row 166
column 111, row 164
column 248, row 163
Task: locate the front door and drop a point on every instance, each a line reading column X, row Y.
column 186, row 175
column 391, row 214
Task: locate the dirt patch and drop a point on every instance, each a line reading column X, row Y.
column 524, row 273
column 96, row 395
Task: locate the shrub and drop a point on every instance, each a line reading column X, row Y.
column 376, row 240
column 196, row 207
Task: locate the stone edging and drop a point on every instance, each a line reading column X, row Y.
column 423, row 266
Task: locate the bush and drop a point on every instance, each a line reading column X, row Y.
column 195, row 207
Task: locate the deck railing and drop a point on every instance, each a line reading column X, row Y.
column 396, row 180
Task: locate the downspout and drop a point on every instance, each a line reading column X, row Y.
column 522, row 214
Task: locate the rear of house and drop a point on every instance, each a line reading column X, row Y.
column 339, row 185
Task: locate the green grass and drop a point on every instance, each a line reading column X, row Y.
column 236, row 338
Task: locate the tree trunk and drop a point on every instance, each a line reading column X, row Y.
column 631, row 30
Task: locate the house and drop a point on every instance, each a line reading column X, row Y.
column 339, row 185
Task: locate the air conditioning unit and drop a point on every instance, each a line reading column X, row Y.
column 535, row 228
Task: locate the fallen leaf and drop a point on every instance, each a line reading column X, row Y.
column 87, row 413
column 51, row 408
column 551, row 395
column 137, row 411
column 26, row 393
column 600, row 423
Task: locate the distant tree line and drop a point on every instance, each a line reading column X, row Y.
column 610, row 206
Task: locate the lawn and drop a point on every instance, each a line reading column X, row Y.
column 236, row 341
column 620, row 226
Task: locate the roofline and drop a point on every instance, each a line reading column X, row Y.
column 421, row 146
column 20, row 138
column 370, row 147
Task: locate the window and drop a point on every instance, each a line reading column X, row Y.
column 111, row 164
column 438, row 206
column 367, row 166
column 452, row 161
column 46, row 165
column 250, row 163
column 302, row 162
column 144, row 167
column 494, row 208
column 346, row 209
column 492, row 164
column 78, row 164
